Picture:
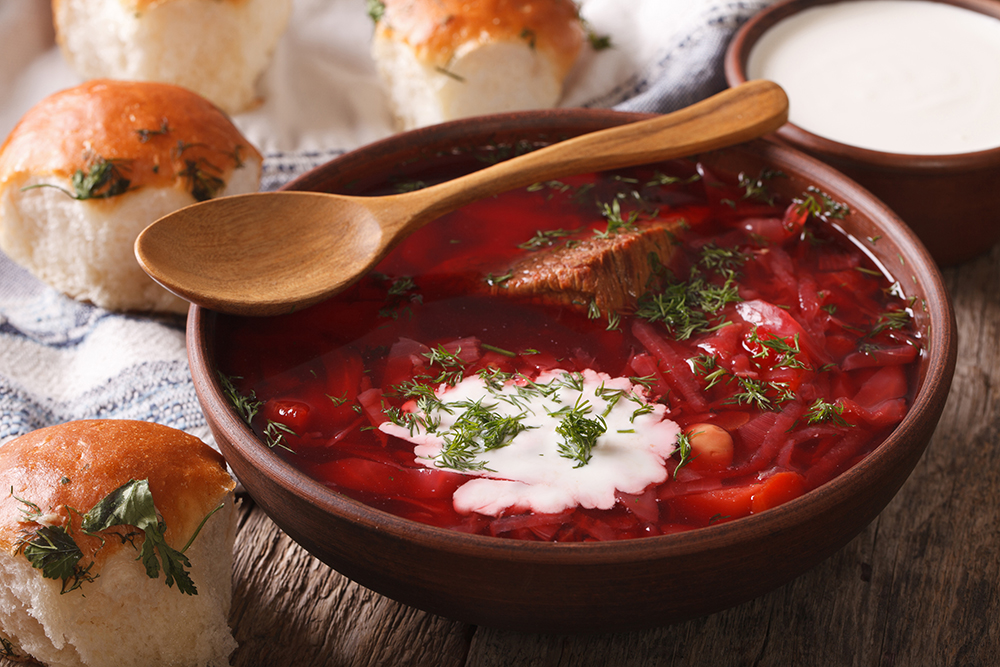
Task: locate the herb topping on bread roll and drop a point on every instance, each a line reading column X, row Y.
column 116, row 541
column 88, row 168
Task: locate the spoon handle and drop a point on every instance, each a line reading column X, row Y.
column 733, row 116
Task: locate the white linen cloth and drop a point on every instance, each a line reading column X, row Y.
column 62, row 360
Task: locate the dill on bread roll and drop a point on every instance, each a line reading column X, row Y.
column 447, row 59
column 217, row 48
column 88, row 168
column 117, row 547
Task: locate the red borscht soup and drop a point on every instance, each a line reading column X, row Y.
column 602, row 357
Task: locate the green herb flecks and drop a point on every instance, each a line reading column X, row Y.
column 498, row 281
column 757, row 189
column 545, row 238
column 102, row 179
column 54, row 551
column 132, row 505
column 889, row 320
column 579, row 433
column 451, row 364
column 146, row 135
column 401, row 294
column 477, row 430
column 761, row 394
column 246, row 405
column 693, row 306
column 821, row 411
column 617, row 222
column 785, row 353
column 684, row 451
column 276, row 435
column 817, row 203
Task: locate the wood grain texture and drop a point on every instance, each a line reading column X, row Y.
column 920, row 586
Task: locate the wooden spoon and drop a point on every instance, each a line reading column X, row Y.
column 270, row 253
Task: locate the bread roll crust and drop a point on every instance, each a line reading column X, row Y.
column 76, row 464
column 157, row 134
column 440, row 29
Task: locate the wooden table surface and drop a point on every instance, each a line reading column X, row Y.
column 919, row 586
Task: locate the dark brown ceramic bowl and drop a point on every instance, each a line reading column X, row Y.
column 952, row 202
column 621, row 585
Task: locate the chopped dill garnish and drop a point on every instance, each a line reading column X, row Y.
column 787, row 352
column 545, row 238
column 402, row 292
column 892, row 319
column 452, row 366
column 616, row 222
column 498, row 350
column 821, row 411
column 689, row 307
column 756, row 188
column 820, row 205
column 659, row 179
column 497, row 281
column 725, row 261
column 761, row 394
column 477, row 430
column 644, row 381
column 337, row 400
column 684, row 450
column 707, row 366
column 579, row 433
column 144, row 135
column 275, row 435
column 246, row 405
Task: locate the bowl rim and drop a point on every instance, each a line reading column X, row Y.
column 734, row 66
column 940, row 350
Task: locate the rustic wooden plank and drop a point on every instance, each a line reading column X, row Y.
column 291, row 609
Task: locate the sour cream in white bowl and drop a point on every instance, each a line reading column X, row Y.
column 903, row 96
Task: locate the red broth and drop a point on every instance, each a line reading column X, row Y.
column 792, row 343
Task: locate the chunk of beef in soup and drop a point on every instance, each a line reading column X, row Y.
column 611, row 272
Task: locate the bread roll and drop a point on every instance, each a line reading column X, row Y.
column 217, row 48
column 159, row 147
column 110, row 611
column 447, row 59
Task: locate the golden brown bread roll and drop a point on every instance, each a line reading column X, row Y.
column 217, row 48
column 88, row 168
column 446, row 59
column 106, row 608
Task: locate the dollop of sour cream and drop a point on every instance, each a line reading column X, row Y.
column 540, row 468
column 899, row 76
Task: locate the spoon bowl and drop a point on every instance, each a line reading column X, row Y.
column 272, row 253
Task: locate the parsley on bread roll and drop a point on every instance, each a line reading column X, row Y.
column 88, row 168
column 447, row 59
column 117, row 547
column 217, row 48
